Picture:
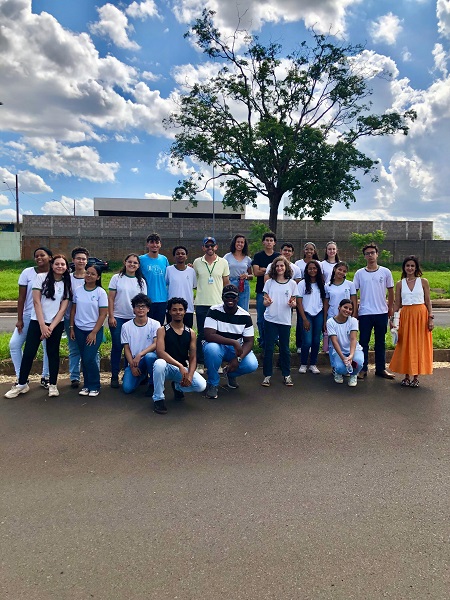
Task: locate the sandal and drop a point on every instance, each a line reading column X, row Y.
column 414, row 382
column 406, row 382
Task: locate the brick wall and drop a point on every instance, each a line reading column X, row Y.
column 114, row 237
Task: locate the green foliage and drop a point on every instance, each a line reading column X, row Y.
column 359, row 240
column 297, row 129
column 256, row 232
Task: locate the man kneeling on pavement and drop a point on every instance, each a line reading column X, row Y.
column 229, row 337
column 177, row 357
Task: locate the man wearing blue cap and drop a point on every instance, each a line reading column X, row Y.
column 212, row 273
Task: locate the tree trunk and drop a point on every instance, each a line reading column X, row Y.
column 274, row 203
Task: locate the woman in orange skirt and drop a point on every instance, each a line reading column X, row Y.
column 413, row 354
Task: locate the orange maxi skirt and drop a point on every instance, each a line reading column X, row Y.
column 414, row 351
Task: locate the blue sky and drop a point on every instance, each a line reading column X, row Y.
column 85, row 87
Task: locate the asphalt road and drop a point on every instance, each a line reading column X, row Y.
column 442, row 319
column 314, row 492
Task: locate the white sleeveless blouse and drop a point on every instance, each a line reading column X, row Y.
column 416, row 296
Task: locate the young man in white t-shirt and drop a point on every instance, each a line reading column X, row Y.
column 139, row 343
column 372, row 282
column 181, row 281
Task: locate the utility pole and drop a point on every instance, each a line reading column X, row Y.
column 74, row 207
column 17, row 202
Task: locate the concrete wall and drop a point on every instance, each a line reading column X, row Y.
column 10, row 245
column 113, row 237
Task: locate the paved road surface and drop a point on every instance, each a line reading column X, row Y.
column 314, row 492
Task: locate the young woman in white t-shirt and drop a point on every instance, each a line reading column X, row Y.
column 329, row 261
column 51, row 294
column 310, row 303
column 346, row 355
column 42, row 257
column 123, row 286
column 309, row 253
column 88, row 313
column 338, row 289
column 279, row 299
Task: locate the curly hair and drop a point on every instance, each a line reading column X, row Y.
column 273, row 268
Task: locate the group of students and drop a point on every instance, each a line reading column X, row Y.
column 51, row 300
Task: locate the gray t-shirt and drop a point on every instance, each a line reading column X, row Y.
column 237, row 267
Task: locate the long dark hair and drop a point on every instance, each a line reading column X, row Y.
column 233, row 244
column 340, row 263
column 417, row 272
column 319, row 278
column 273, row 269
column 98, row 270
column 138, row 274
column 48, row 287
column 326, row 253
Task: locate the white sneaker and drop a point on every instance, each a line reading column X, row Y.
column 288, row 381
column 338, row 378
column 303, row 369
column 53, row 390
column 94, row 393
column 353, row 381
column 16, row 390
column 84, row 392
column 299, row 350
column 266, row 381
column 314, row 369
column 200, row 369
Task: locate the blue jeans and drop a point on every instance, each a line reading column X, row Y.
column 338, row 364
column 15, row 348
column 163, row 371
column 91, row 372
column 130, row 382
column 74, row 354
column 260, row 310
column 216, row 353
column 200, row 313
column 158, row 311
column 273, row 332
column 116, row 347
column 379, row 324
column 311, row 338
column 244, row 297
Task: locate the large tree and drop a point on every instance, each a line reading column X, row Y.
column 300, row 119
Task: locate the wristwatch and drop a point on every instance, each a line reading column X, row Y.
column 239, row 359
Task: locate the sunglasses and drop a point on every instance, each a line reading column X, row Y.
column 209, row 246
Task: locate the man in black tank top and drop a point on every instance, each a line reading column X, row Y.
column 177, row 357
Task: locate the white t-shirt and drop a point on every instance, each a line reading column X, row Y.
column 372, row 287
column 327, row 270
column 181, row 284
column 88, row 304
column 26, row 279
column 301, row 264
column 76, row 282
column 296, row 271
column 336, row 293
column 312, row 303
column 342, row 332
column 139, row 337
column 49, row 307
column 279, row 311
column 126, row 289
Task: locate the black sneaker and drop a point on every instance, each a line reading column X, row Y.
column 115, row 382
column 74, row 384
column 176, row 393
column 232, row 382
column 159, row 407
column 212, row 391
column 45, row 382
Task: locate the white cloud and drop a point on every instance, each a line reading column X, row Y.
column 386, row 29
column 142, row 10
column 443, row 15
column 406, row 55
column 8, row 214
column 79, row 161
column 113, row 23
column 28, row 182
column 156, row 196
column 151, row 76
column 83, row 206
column 323, row 15
column 440, row 59
column 4, row 200
column 134, row 170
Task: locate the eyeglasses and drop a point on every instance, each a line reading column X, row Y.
column 369, row 253
column 141, row 306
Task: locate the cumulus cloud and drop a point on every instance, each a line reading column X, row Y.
column 443, row 15
column 29, row 182
column 113, row 23
column 386, row 29
column 440, row 59
column 134, row 170
column 64, row 207
column 142, row 10
column 250, row 15
column 8, row 214
column 4, row 200
column 155, row 196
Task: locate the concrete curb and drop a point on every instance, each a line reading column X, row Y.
column 7, row 369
